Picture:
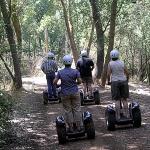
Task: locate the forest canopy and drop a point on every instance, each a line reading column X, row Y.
column 31, row 28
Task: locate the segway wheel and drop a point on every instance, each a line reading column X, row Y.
column 81, row 98
column 110, row 121
column 61, row 132
column 136, row 116
column 45, row 97
column 97, row 97
column 90, row 129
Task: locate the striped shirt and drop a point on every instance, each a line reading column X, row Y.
column 49, row 66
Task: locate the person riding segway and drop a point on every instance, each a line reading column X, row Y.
column 85, row 65
column 49, row 67
column 72, row 125
column 122, row 114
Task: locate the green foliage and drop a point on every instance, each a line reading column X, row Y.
column 132, row 35
column 5, row 108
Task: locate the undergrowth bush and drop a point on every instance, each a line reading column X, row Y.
column 5, row 109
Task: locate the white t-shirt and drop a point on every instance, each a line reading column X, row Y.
column 117, row 70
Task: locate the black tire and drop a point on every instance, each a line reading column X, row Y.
column 110, row 121
column 96, row 97
column 45, row 97
column 90, row 129
column 136, row 116
column 81, row 98
column 61, row 132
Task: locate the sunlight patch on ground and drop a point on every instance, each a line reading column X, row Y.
column 141, row 92
column 107, row 135
column 52, row 113
column 41, row 135
column 140, row 89
column 19, row 120
column 133, row 147
column 30, row 130
column 31, row 83
column 95, row 148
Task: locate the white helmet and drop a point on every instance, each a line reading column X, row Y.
column 67, row 60
column 83, row 53
column 51, row 55
column 114, row 54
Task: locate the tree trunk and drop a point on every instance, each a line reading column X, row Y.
column 111, row 39
column 17, row 81
column 17, row 27
column 90, row 39
column 69, row 27
column 100, row 37
column 6, row 66
column 46, row 40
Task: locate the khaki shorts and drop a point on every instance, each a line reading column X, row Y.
column 72, row 109
column 119, row 89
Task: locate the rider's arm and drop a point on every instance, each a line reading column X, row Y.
column 108, row 73
column 77, row 66
column 79, row 80
column 92, row 65
column 126, row 72
column 43, row 67
column 56, row 67
column 55, row 81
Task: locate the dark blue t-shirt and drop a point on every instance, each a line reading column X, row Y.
column 68, row 78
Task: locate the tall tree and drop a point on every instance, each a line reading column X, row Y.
column 90, row 39
column 100, row 36
column 111, row 39
column 11, row 39
column 17, row 27
column 70, row 32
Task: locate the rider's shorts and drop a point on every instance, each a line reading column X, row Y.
column 87, row 80
column 119, row 89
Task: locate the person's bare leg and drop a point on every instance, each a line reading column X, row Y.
column 125, row 107
column 90, row 89
column 84, row 88
column 117, row 106
column 70, row 125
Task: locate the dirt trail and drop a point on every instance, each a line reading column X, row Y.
column 33, row 124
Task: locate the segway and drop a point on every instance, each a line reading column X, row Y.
column 53, row 99
column 87, row 99
column 134, row 116
column 64, row 135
